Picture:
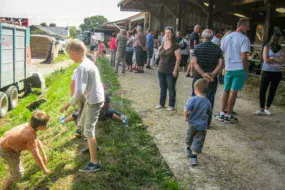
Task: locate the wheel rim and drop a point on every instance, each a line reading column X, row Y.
column 4, row 105
column 15, row 98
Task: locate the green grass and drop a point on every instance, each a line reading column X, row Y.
column 61, row 57
column 129, row 156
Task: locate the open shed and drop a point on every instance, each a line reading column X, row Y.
column 214, row 14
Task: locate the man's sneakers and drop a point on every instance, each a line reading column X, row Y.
column 230, row 119
column 219, row 117
column 188, row 151
column 90, row 168
column 226, row 119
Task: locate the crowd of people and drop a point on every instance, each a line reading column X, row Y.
column 171, row 53
column 217, row 56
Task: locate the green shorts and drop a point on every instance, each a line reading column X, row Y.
column 234, row 80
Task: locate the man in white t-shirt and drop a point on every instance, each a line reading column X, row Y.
column 235, row 47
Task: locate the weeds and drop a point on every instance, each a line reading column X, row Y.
column 129, row 157
column 61, row 57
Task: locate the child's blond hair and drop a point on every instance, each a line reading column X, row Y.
column 202, row 85
column 76, row 45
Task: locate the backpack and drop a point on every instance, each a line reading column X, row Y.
column 183, row 44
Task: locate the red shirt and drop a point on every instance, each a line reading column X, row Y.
column 113, row 44
column 101, row 48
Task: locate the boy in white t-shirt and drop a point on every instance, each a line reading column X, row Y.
column 235, row 47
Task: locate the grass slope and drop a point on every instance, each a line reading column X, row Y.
column 129, row 157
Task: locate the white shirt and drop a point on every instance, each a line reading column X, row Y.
column 93, row 40
column 88, row 83
column 233, row 45
column 216, row 41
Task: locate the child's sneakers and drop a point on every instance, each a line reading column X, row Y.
column 194, row 161
column 91, row 168
column 188, row 151
column 125, row 120
column 61, row 120
column 78, row 133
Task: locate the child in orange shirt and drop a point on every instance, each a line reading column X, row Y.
column 21, row 138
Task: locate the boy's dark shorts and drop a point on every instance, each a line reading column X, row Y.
column 92, row 48
column 195, row 139
column 105, row 114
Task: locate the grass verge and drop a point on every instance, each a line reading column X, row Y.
column 61, row 57
column 129, row 156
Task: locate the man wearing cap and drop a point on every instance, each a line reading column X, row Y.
column 140, row 49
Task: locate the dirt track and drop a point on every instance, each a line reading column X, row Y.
column 247, row 155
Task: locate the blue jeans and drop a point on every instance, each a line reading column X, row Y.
column 167, row 81
column 211, row 92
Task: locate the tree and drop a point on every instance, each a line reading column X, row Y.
column 52, row 25
column 92, row 22
column 44, row 24
column 72, row 31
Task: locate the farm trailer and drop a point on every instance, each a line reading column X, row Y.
column 15, row 55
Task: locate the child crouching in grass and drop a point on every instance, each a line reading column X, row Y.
column 22, row 138
column 198, row 112
column 106, row 112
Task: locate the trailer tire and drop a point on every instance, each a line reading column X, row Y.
column 12, row 93
column 4, row 104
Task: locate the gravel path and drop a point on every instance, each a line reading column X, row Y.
column 247, row 155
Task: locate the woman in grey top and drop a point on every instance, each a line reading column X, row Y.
column 273, row 56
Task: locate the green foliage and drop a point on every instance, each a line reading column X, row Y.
column 128, row 156
column 43, row 24
column 72, row 31
column 93, row 22
column 52, row 25
column 61, row 57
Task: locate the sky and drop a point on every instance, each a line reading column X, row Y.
column 62, row 12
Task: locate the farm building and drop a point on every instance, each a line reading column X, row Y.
column 214, row 14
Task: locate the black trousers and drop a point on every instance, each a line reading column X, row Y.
column 271, row 80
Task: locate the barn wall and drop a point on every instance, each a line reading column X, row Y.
column 190, row 18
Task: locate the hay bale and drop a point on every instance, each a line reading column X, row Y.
column 40, row 46
column 252, row 90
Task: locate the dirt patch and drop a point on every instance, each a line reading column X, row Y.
column 247, row 155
